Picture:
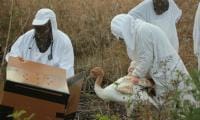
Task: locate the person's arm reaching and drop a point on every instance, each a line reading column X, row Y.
column 145, row 58
column 67, row 59
column 15, row 49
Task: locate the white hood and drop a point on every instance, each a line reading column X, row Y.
column 43, row 16
column 123, row 26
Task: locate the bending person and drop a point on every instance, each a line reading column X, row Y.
column 153, row 55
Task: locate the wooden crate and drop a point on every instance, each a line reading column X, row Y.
column 75, row 85
column 35, row 88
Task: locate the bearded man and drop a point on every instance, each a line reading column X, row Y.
column 45, row 43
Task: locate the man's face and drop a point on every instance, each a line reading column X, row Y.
column 160, row 6
column 42, row 31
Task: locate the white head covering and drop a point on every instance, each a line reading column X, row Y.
column 122, row 26
column 43, row 16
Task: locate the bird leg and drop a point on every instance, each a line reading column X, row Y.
column 129, row 110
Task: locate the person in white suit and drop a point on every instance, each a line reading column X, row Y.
column 153, row 55
column 196, row 35
column 45, row 43
column 163, row 13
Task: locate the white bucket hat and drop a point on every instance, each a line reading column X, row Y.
column 42, row 16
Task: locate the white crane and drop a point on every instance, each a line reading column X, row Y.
column 122, row 90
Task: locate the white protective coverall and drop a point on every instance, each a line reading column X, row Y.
column 152, row 52
column 196, row 35
column 62, row 50
column 166, row 21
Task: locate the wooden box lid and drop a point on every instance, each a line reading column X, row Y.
column 37, row 75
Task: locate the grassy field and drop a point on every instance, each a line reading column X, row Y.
column 87, row 22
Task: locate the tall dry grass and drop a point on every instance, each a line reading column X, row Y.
column 87, row 22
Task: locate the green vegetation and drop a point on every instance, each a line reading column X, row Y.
column 21, row 115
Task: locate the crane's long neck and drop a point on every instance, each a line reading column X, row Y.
column 99, row 90
column 99, row 80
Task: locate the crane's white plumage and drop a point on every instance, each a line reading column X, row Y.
column 112, row 91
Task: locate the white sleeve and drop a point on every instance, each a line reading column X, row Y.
column 15, row 49
column 132, row 64
column 196, row 32
column 145, row 57
column 67, row 59
column 176, row 11
column 139, row 12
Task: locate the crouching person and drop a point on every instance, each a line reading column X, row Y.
column 45, row 43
